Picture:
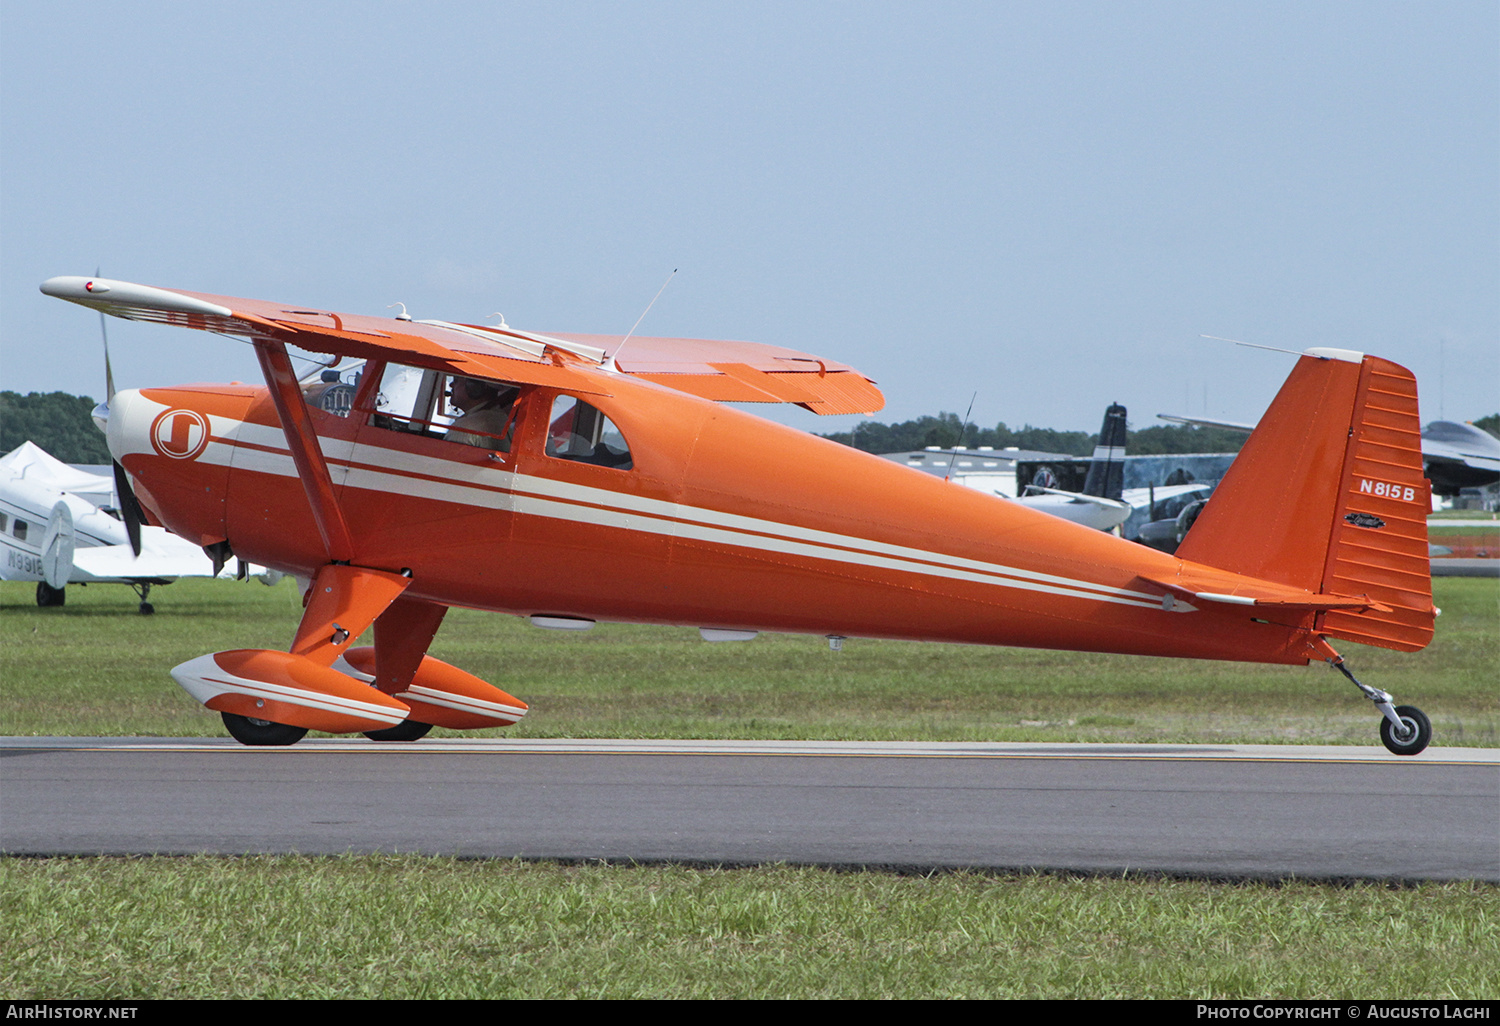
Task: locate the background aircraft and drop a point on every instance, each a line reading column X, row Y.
column 1454, row 455
column 1100, row 503
column 57, row 528
column 1097, row 503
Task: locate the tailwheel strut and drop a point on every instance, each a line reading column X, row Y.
column 1404, row 729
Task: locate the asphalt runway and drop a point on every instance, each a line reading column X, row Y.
column 1199, row 810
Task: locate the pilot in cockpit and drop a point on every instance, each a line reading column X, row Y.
column 486, row 408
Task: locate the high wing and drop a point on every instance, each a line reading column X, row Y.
column 741, row 372
column 720, row 371
column 1228, row 425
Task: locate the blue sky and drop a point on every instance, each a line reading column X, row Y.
column 1043, row 203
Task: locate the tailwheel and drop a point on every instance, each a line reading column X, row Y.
column 1404, row 729
column 406, row 730
column 261, row 733
column 1415, row 736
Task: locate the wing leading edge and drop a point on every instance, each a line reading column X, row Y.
column 719, row 371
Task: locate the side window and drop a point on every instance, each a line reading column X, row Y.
column 19, row 529
column 579, row 432
column 406, row 401
column 483, row 412
column 470, row 411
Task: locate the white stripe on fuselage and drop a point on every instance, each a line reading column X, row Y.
column 390, row 471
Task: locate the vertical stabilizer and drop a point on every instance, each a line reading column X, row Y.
column 1106, row 477
column 1328, row 495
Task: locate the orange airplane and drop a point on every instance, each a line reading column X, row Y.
column 576, row 478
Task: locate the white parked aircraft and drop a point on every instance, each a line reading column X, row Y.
column 56, row 528
column 1454, row 455
column 1100, row 504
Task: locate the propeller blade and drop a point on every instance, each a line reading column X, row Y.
column 109, row 374
column 130, row 508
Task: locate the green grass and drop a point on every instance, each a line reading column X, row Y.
column 395, row 927
column 431, row 927
column 1461, row 514
column 94, row 667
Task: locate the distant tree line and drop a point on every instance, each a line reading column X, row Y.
column 61, row 424
column 56, row 421
column 945, row 429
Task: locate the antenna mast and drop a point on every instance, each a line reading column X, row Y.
column 615, row 355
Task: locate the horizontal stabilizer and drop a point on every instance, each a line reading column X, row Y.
column 1262, row 593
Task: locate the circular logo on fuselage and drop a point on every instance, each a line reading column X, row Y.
column 180, row 434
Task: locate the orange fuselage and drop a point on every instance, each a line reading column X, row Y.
column 722, row 520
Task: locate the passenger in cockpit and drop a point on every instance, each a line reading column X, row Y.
column 486, row 407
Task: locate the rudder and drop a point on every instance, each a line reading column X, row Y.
column 1328, row 495
column 1106, row 476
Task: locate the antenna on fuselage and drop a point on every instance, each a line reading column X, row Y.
column 611, row 365
column 961, row 432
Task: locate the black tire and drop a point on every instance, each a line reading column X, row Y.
column 147, row 609
column 261, row 733
column 406, row 730
column 48, row 597
column 1420, row 737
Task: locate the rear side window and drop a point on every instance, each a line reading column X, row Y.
column 579, row 432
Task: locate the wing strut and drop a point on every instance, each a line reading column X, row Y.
column 303, row 442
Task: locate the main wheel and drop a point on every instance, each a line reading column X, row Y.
column 406, row 730
column 1418, row 725
column 261, row 733
column 46, row 595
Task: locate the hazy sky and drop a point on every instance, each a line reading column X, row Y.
column 1045, row 202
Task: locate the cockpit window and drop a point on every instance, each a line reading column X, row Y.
column 332, row 391
column 470, row 411
column 579, row 432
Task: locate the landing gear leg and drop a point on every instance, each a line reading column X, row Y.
column 1405, row 729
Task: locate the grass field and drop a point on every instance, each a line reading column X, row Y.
column 386, row 927
column 432, row 927
column 95, row 667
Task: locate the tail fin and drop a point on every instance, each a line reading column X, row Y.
column 1328, row 495
column 1106, row 477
